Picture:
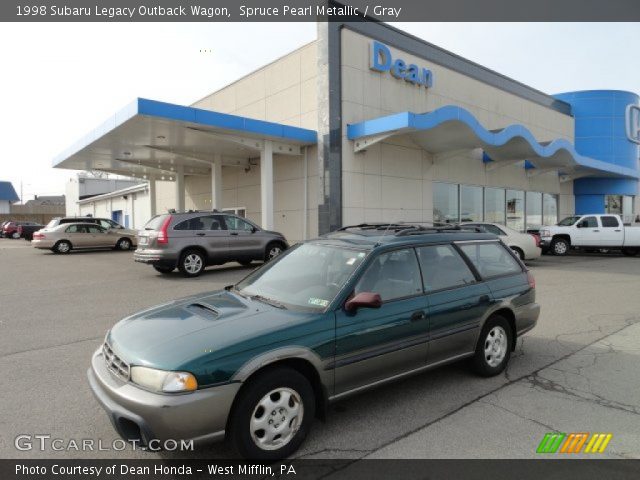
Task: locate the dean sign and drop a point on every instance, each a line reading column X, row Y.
column 381, row 60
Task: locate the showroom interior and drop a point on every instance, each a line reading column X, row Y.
column 370, row 124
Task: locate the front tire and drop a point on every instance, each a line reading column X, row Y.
column 560, row 247
column 63, row 246
column 273, row 415
column 273, row 250
column 630, row 252
column 518, row 252
column 494, row 347
column 192, row 263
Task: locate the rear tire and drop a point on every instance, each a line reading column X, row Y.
column 494, row 347
column 559, row 247
column 518, row 252
column 630, row 252
column 63, row 246
column 289, row 396
column 192, row 263
column 164, row 270
column 15, row 235
column 124, row 244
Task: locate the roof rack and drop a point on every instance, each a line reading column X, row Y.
column 413, row 228
column 420, row 230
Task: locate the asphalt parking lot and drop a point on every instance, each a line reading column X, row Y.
column 576, row 372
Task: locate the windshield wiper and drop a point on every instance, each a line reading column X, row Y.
column 268, row 301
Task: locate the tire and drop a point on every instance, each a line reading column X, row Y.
column 15, row 235
column 63, row 246
column 124, row 244
column 273, row 250
column 164, row 270
column 494, row 347
column 518, row 252
column 630, row 252
column 246, row 435
column 559, row 247
column 192, row 263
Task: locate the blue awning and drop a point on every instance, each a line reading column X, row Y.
column 150, row 139
column 453, row 128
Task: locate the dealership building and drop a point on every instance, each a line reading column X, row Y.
column 370, row 124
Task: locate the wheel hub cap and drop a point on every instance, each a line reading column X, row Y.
column 193, row 263
column 276, row 418
column 495, row 346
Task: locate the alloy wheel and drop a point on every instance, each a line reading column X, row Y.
column 274, row 252
column 560, row 248
column 495, row 346
column 192, row 263
column 276, row 418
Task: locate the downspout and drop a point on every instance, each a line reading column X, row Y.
column 305, row 202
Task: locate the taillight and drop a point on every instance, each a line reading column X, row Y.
column 163, row 236
column 531, row 279
column 537, row 239
column 38, row 235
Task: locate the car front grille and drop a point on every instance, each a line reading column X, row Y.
column 114, row 363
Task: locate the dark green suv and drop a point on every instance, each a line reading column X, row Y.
column 330, row 317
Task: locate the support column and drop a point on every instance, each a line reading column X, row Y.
column 180, row 189
column 152, row 197
column 216, row 183
column 266, row 185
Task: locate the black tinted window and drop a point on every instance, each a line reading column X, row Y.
column 442, row 267
column 491, row 259
column 76, row 229
column 95, row 229
column 589, row 222
column 208, row 222
column 609, row 222
column 235, row 223
column 392, row 275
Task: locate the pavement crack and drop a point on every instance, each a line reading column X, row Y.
column 523, row 417
column 48, row 347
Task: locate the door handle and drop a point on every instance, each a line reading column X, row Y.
column 596, row 230
column 618, row 230
column 200, row 234
column 419, row 315
column 234, row 233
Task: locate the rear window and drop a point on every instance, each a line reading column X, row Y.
column 609, row 222
column 155, row 223
column 491, row 259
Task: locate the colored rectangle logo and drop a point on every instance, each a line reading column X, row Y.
column 576, row 442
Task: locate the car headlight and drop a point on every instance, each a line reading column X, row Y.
column 545, row 233
column 163, row 381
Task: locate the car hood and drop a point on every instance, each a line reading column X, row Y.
column 220, row 323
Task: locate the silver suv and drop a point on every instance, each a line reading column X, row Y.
column 191, row 241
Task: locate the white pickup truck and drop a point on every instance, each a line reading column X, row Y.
column 591, row 231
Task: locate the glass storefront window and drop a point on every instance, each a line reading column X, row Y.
column 627, row 209
column 515, row 210
column 470, row 203
column 534, row 210
column 549, row 209
column 445, row 202
column 494, row 203
column 613, row 204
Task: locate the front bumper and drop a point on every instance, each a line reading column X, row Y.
column 140, row 415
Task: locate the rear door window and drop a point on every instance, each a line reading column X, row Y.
column 491, row 259
column 443, row 267
column 95, row 229
column 207, row 222
column 609, row 222
column 76, row 229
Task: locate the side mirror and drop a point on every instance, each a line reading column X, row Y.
column 254, row 229
column 363, row 300
column 580, row 224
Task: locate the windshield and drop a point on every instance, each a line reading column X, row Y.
column 567, row 222
column 307, row 277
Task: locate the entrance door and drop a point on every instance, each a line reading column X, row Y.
column 116, row 216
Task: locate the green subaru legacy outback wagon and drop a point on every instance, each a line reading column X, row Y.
column 331, row 317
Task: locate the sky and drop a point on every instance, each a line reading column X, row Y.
column 60, row 80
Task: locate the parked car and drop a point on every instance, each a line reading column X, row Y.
column 27, row 231
column 76, row 236
column 329, row 318
column 2, row 224
column 103, row 222
column 10, row 229
column 592, row 231
column 191, row 241
column 526, row 245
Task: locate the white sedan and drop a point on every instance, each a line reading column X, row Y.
column 527, row 246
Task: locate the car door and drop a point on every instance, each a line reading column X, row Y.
column 99, row 237
column 245, row 241
column 587, row 232
column 77, row 234
column 375, row 344
column 457, row 302
column 612, row 234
